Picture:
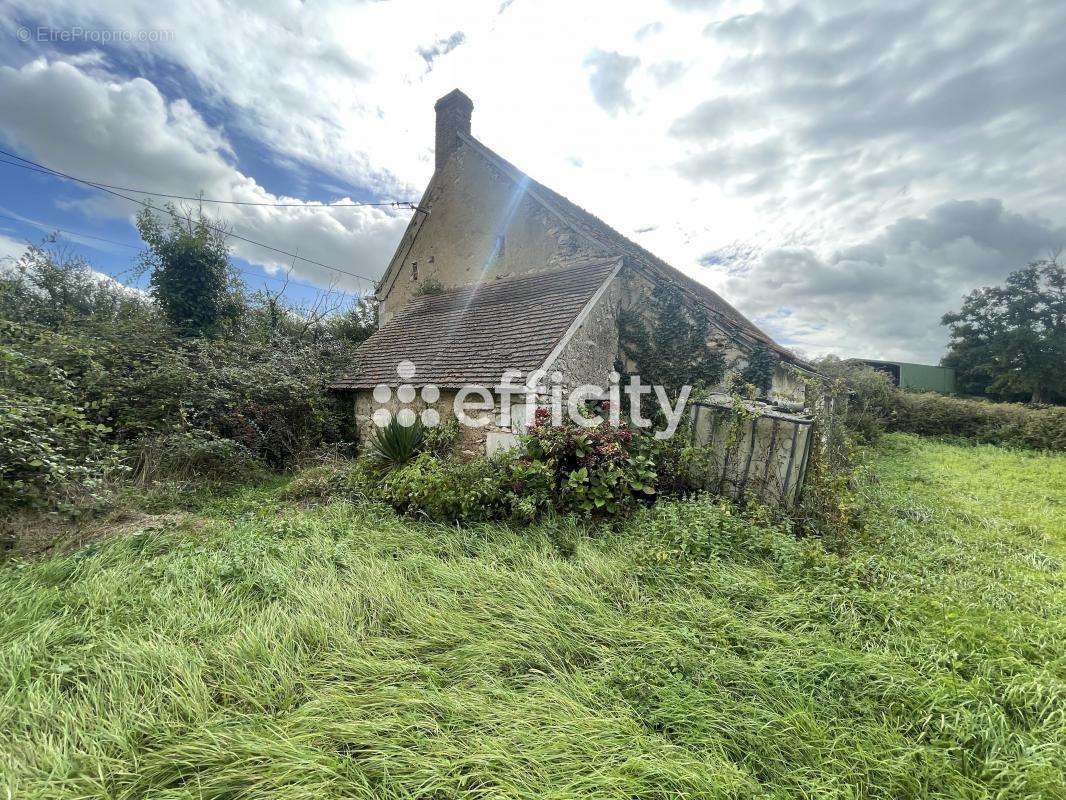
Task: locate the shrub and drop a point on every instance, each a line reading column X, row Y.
column 1009, row 424
column 604, row 470
column 874, row 404
column 440, row 440
column 446, row 489
column 94, row 372
column 49, row 445
column 184, row 455
column 869, row 399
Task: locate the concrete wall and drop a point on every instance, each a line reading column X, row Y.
column 765, row 457
column 481, row 226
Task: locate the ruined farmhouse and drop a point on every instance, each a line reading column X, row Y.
column 497, row 272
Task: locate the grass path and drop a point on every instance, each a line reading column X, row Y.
column 261, row 648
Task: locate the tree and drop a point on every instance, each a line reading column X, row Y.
column 51, row 285
column 1010, row 341
column 191, row 277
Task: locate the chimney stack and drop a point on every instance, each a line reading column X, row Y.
column 453, row 115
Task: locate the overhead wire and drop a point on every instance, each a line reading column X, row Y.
column 37, row 167
column 45, row 227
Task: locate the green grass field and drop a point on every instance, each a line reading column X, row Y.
column 256, row 646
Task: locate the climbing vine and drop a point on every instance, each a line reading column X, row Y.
column 759, row 371
column 672, row 351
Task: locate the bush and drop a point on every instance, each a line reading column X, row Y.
column 1009, row 424
column 874, row 405
column 185, row 455
column 604, row 470
column 93, row 374
column 50, row 448
column 504, row 487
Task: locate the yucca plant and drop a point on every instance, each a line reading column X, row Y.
column 396, row 444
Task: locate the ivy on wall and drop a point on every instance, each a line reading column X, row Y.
column 672, row 350
column 759, row 371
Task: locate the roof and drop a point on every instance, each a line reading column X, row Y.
column 472, row 334
column 612, row 241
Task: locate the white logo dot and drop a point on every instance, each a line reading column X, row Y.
column 382, row 417
column 406, row 393
column 406, row 369
column 406, row 417
column 431, row 394
column 382, row 393
column 430, row 418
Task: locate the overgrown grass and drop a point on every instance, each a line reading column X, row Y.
column 331, row 649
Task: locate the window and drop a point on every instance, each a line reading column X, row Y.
column 414, row 270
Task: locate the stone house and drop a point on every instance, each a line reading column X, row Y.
column 497, row 272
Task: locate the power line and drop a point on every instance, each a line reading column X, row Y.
column 43, row 226
column 197, row 198
column 223, row 231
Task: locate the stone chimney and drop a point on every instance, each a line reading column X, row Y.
column 453, row 115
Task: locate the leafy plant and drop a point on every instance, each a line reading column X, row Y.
column 396, row 444
column 191, row 276
column 759, row 371
column 670, row 349
column 604, row 470
column 440, row 440
column 428, row 287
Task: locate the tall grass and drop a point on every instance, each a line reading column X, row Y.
column 265, row 649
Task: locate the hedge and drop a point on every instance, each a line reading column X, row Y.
column 1011, row 424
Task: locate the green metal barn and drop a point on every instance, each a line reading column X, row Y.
column 919, row 377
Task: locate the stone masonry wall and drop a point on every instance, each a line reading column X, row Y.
column 481, row 226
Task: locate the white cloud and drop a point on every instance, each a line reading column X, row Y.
column 772, row 136
column 126, row 132
column 884, row 297
column 10, row 249
column 608, row 74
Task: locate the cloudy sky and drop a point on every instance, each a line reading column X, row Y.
column 843, row 172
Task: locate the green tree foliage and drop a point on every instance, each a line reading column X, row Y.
column 672, row 350
column 51, row 286
column 1009, row 341
column 191, row 277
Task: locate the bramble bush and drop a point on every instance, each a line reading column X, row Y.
column 96, row 381
column 50, row 447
